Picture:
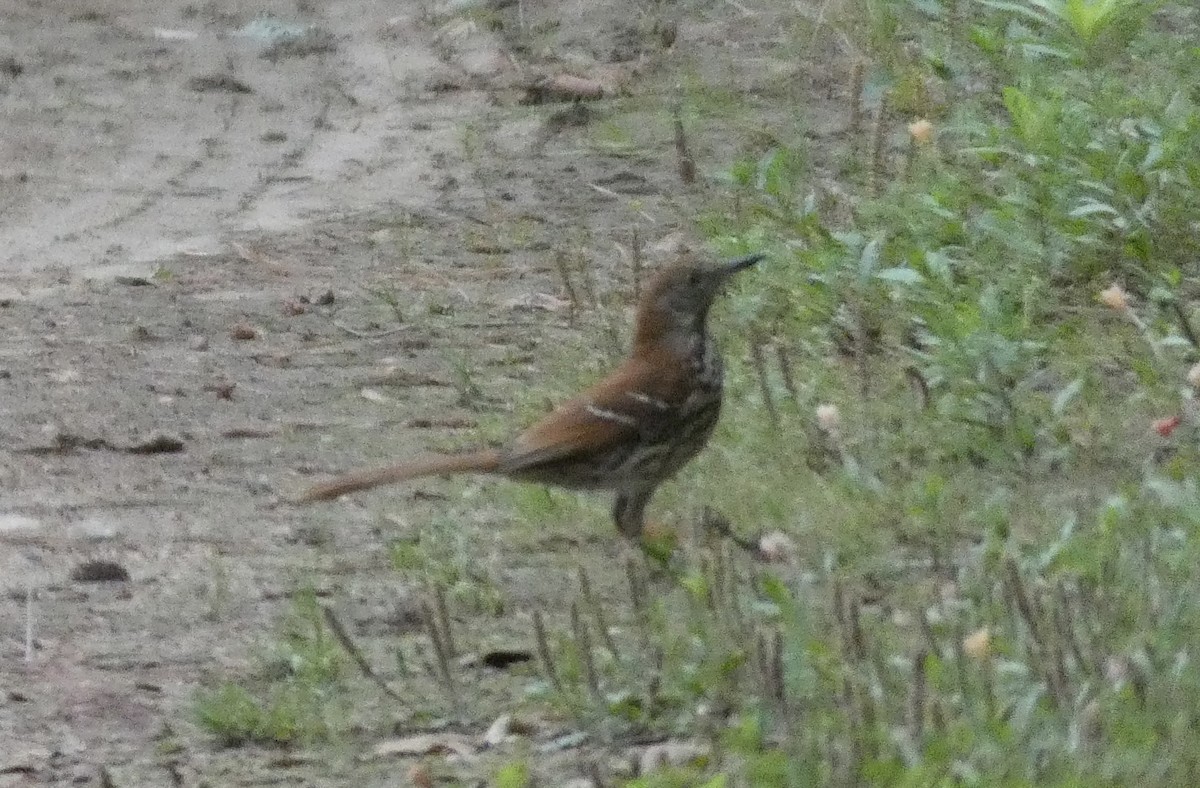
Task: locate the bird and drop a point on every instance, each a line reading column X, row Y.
column 629, row 432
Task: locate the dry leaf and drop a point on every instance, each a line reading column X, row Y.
column 499, row 731
column 371, row 395
column 424, row 744
column 978, row 644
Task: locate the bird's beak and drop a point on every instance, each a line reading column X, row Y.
column 742, row 263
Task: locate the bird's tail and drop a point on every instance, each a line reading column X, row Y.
column 483, row 461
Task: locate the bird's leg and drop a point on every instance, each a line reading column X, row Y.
column 629, row 513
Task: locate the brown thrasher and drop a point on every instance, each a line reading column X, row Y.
column 628, row 433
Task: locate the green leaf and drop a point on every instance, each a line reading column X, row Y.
column 1092, row 207
column 869, row 258
column 903, row 276
column 1067, row 396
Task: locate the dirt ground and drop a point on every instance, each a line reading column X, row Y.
column 229, row 267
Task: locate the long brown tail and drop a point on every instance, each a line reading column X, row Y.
column 483, row 461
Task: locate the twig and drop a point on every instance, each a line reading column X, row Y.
column 564, row 273
column 439, row 607
column 857, row 82
column 1185, row 323
column 714, row 521
column 878, row 149
column 596, row 775
column 785, row 371
column 606, row 192
column 543, row 651
column 351, row 648
column 635, row 257
column 364, row 335
column 919, row 385
column 764, row 385
column 916, row 700
column 778, row 686
column 593, row 603
column 1040, row 655
column 440, row 649
column 684, row 160
column 28, row 621
column 584, row 644
column 637, row 589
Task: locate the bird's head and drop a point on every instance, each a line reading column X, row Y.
column 676, row 300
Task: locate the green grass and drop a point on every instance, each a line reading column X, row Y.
column 996, row 575
column 996, row 571
column 995, row 470
column 293, row 697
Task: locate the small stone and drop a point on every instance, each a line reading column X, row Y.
column 18, row 522
column 93, row 529
column 325, row 299
column 198, row 343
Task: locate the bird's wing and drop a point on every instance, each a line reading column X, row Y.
column 630, row 403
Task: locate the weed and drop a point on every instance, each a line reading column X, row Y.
column 998, row 579
column 293, row 698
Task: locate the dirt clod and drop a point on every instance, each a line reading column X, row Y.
column 157, row 443
column 243, row 332
column 218, row 83
column 99, row 571
column 223, row 389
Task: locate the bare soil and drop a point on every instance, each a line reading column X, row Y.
column 228, row 267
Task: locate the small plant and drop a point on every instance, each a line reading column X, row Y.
column 292, row 699
column 999, row 573
column 389, row 296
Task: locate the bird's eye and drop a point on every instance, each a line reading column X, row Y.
column 694, row 279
